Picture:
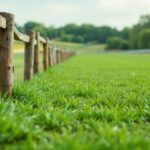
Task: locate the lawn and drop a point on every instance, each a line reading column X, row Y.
column 88, row 102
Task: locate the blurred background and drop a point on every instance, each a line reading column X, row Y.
column 87, row 25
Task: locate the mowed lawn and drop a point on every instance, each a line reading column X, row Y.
column 88, row 102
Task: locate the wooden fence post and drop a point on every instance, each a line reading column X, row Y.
column 62, row 56
column 50, row 55
column 58, row 56
column 36, row 53
column 45, row 55
column 54, row 55
column 6, row 54
column 29, row 49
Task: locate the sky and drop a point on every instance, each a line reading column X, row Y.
column 115, row 13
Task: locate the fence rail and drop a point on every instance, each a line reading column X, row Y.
column 31, row 40
column 21, row 37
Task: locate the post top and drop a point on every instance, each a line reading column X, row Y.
column 6, row 14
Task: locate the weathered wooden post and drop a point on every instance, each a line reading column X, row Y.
column 54, row 55
column 66, row 55
column 29, row 49
column 58, row 56
column 50, row 55
column 6, row 54
column 62, row 55
column 36, row 53
column 45, row 55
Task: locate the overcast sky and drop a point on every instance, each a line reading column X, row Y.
column 116, row 13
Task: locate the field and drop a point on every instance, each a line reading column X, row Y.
column 80, row 48
column 19, row 65
column 89, row 102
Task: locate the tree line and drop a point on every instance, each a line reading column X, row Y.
column 135, row 37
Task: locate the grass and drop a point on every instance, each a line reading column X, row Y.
column 88, row 102
column 19, row 65
column 80, row 48
column 18, row 46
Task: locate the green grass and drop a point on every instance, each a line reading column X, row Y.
column 80, row 48
column 19, row 65
column 88, row 102
column 18, row 45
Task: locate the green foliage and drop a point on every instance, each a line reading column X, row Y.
column 52, row 32
column 124, row 45
column 71, row 38
column 104, row 32
column 125, row 33
column 76, row 33
column 70, row 29
column 37, row 27
column 117, row 43
column 145, row 21
column 135, row 37
column 144, row 39
column 66, row 38
column 88, row 102
column 87, row 33
column 113, row 43
column 78, row 39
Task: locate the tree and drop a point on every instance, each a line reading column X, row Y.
column 37, row 27
column 133, row 37
column 104, row 32
column 124, row 45
column 125, row 32
column 144, row 23
column 113, row 42
column 78, row 39
column 52, row 32
column 66, row 37
column 70, row 29
column 144, row 38
column 145, row 20
column 88, row 33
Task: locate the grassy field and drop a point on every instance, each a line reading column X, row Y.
column 88, row 102
column 19, row 65
column 19, row 47
column 80, row 48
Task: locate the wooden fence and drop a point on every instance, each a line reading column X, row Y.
column 32, row 40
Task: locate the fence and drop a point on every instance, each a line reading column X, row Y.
column 32, row 40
